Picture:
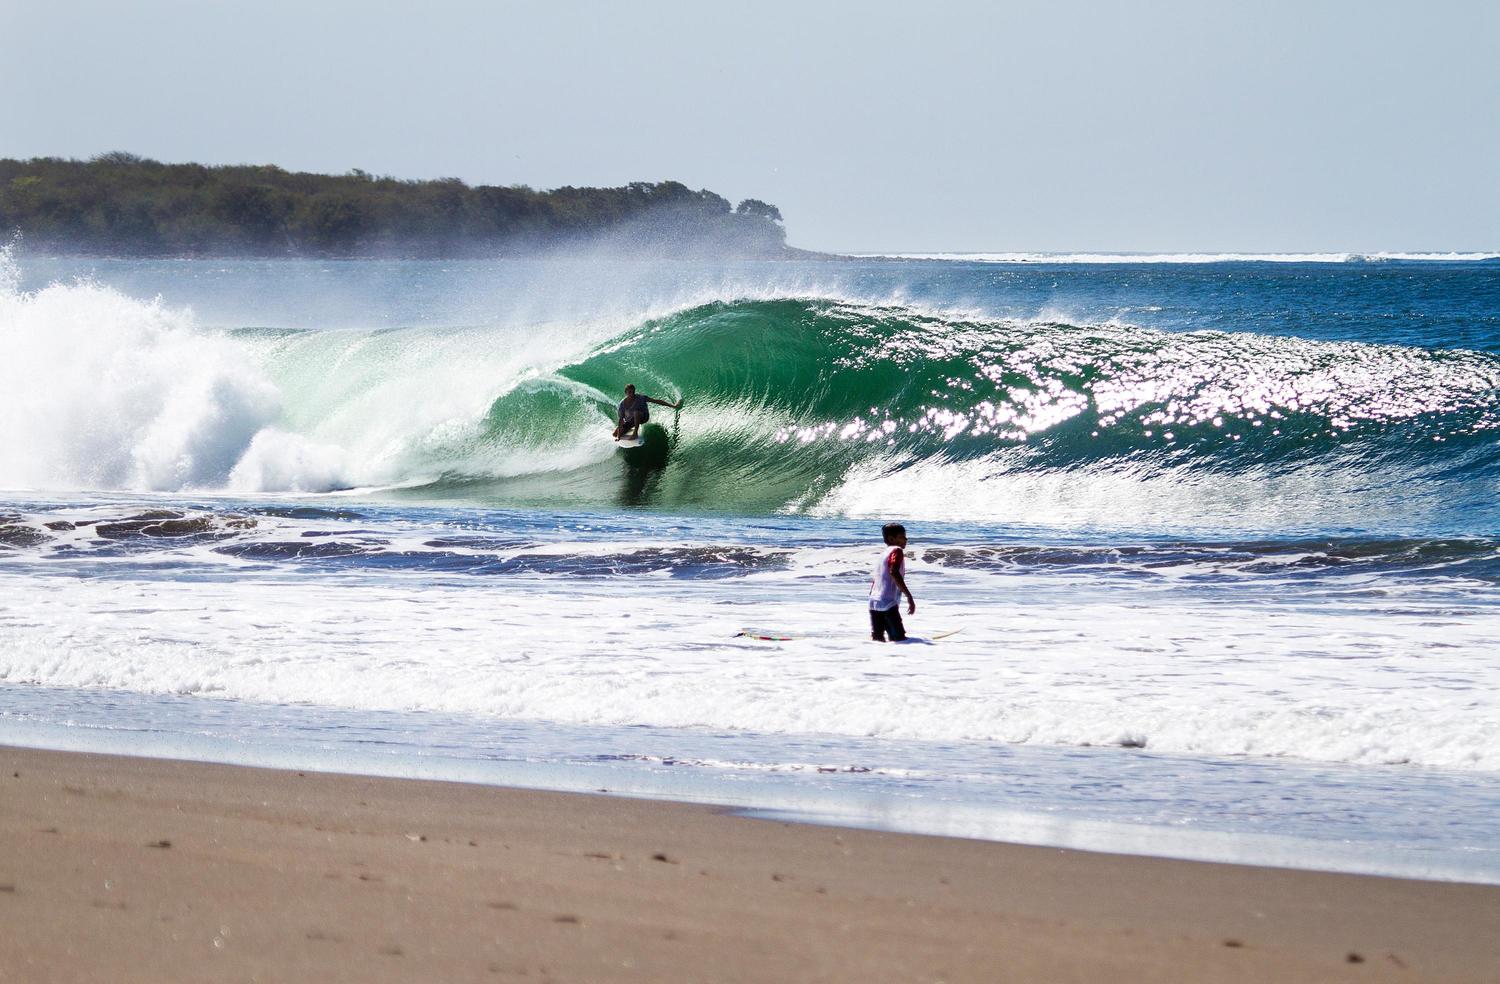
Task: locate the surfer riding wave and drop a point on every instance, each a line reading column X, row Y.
column 634, row 411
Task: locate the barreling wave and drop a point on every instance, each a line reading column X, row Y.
column 819, row 404
column 791, row 400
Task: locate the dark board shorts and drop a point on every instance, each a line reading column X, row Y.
column 887, row 623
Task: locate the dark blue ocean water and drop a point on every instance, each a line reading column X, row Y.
column 1432, row 304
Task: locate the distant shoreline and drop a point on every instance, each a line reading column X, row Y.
column 126, row 206
column 559, row 253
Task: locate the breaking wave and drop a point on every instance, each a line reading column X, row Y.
column 819, row 404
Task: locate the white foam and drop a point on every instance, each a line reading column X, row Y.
column 110, row 392
column 1000, row 489
column 278, row 461
column 1040, row 660
column 107, row 392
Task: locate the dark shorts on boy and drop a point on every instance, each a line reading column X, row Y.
column 887, row 622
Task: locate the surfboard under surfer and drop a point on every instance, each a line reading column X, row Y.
column 635, row 410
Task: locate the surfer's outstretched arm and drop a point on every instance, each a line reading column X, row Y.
column 664, row 403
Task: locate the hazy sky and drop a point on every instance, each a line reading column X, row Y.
column 874, row 126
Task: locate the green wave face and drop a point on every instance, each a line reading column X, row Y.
column 749, row 372
column 809, row 404
column 754, row 374
column 788, row 402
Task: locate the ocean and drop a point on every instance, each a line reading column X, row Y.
column 1219, row 535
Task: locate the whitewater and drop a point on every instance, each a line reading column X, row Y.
column 1219, row 535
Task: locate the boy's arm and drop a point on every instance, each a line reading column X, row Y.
column 663, row 403
column 894, row 560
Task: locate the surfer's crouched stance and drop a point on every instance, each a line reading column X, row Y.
column 635, row 410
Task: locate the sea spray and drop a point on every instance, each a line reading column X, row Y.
column 105, row 391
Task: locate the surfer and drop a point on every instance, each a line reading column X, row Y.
column 635, row 410
column 888, row 585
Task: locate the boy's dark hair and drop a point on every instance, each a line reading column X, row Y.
column 890, row 531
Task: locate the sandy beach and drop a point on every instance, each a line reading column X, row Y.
column 129, row 869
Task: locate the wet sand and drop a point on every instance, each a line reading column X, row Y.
column 126, row 869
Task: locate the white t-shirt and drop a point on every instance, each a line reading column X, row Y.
column 884, row 591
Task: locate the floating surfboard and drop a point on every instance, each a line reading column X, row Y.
column 780, row 635
column 629, row 443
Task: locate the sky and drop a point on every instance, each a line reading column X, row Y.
column 874, row 126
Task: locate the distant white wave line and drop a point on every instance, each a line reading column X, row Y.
column 1348, row 257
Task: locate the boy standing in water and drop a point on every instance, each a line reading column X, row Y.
column 888, row 585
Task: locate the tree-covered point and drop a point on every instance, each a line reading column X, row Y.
column 120, row 204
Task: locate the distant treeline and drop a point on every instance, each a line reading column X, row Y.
column 120, row 204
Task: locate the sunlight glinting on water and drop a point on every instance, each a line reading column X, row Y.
column 1160, row 385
